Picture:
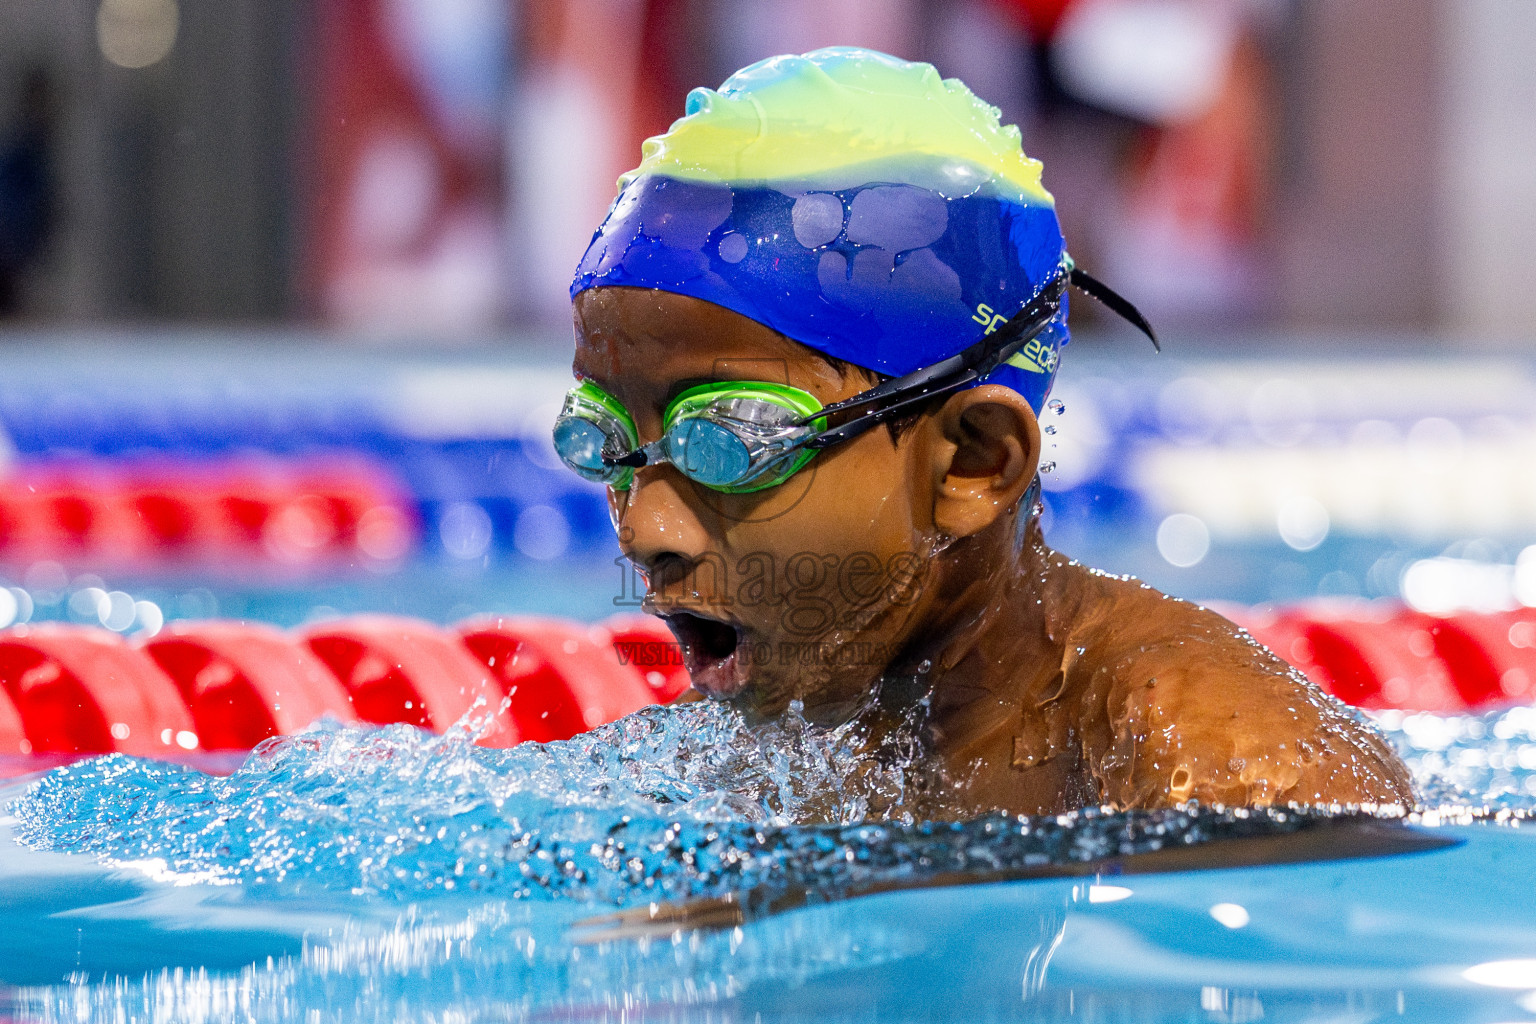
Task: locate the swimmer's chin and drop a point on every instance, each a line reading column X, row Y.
column 764, row 698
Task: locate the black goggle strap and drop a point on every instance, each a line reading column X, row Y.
column 898, row 395
column 895, row 397
column 1112, row 300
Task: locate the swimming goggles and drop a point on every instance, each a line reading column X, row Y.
column 743, row 436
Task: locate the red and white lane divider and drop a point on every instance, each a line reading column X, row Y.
column 1384, row 658
column 227, row 686
column 251, row 511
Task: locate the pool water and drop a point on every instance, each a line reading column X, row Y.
column 384, row 874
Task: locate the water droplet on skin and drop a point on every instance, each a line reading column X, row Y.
column 1024, row 754
column 1056, row 406
column 924, row 668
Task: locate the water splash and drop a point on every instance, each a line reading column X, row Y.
column 1477, row 765
column 488, row 856
column 678, row 793
column 672, row 802
column 365, row 797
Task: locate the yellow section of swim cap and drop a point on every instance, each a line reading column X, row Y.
column 814, row 118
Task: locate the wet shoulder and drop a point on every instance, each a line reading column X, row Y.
column 1178, row 703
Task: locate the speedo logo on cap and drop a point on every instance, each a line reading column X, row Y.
column 1036, row 357
column 988, row 319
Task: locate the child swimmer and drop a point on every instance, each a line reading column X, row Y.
column 814, row 336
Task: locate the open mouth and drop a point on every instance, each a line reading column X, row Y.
column 709, row 652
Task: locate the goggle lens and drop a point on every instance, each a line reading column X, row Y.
column 590, row 426
column 716, row 435
column 708, row 452
column 580, row 443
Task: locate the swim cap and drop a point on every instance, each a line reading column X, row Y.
column 850, row 200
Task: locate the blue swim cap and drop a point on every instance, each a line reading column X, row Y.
column 850, row 200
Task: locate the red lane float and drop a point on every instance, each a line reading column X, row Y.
column 1467, row 661
column 72, row 690
column 1507, row 643
column 13, row 734
column 41, row 516
column 645, row 644
column 245, row 682
column 1392, row 664
column 338, row 509
column 404, row 670
column 1399, row 658
column 1372, row 661
column 241, row 510
column 81, row 690
column 563, row 678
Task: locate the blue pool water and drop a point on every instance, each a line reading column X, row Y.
column 350, row 875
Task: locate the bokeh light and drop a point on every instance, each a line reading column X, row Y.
column 137, row 33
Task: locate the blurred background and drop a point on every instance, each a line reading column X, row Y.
column 283, row 310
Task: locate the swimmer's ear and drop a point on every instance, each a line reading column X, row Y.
column 985, row 458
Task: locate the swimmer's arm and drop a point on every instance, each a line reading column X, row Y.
column 1219, row 720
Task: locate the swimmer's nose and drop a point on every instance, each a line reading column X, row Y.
column 658, row 528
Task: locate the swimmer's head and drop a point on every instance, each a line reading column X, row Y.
column 820, row 225
column 851, row 201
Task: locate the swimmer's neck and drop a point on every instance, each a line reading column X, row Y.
column 993, row 634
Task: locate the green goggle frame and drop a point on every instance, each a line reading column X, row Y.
column 742, row 436
column 735, row 436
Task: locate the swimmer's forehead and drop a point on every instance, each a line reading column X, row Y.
column 653, row 345
column 841, row 117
